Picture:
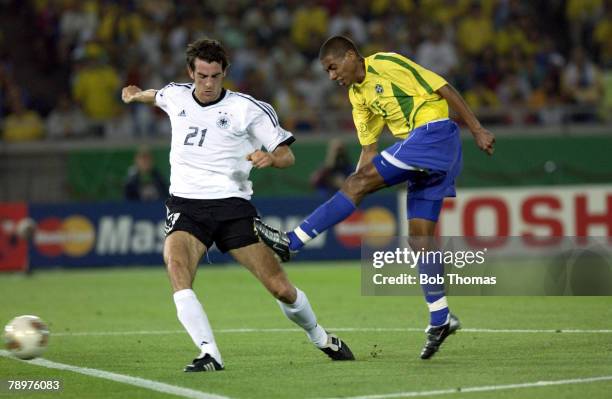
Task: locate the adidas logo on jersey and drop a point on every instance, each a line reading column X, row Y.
column 182, row 113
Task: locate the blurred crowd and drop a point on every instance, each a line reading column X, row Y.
column 63, row 62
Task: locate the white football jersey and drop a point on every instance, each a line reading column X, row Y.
column 210, row 142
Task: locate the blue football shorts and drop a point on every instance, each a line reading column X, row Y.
column 429, row 160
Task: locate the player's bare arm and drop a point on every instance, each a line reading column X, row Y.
column 368, row 152
column 132, row 93
column 485, row 140
column 281, row 157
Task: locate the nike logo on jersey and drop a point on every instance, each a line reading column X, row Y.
column 182, row 113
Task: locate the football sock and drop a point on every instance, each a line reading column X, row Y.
column 335, row 210
column 434, row 293
column 300, row 312
column 191, row 314
column 438, row 311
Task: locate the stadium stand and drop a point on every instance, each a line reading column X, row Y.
column 516, row 61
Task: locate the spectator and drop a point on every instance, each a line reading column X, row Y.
column 475, row 31
column 96, row 88
column 582, row 84
column 547, row 102
column 309, row 20
column 479, row 42
column 312, row 86
column 117, row 24
column 606, row 104
column 512, row 36
column 287, row 59
column 602, row 35
column 482, row 99
column 513, row 91
column 21, row 124
column 144, row 182
column 582, row 15
column 77, row 25
column 337, row 167
column 66, row 120
column 381, row 7
column 349, row 23
column 437, row 53
column 486, row 68
column 292, row 108
column 5, row 84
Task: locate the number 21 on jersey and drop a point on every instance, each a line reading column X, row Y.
column 191, row 137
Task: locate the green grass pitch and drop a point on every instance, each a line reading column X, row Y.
column 282, row 363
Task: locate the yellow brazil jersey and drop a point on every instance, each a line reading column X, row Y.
column 396, row 92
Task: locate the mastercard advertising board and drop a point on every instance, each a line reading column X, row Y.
column 125, row 233
column 106, row 234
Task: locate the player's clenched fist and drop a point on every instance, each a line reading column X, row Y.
column 260, row 159
column 485, row 140
column 129, row 93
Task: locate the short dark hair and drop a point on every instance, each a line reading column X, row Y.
column 337, row 46
column 208, row 50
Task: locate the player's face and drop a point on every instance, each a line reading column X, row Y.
column 342, row 69
column 208, row 80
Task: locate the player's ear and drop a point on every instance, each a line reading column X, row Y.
column 190, row 72
column 225, row 70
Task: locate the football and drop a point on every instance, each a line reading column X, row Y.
column 26, row 336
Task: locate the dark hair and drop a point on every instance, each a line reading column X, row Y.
column 208, row 50
column 337, row 46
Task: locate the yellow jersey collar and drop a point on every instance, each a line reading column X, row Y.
column 366, row 63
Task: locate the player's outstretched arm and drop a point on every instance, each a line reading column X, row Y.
column 281, row 157
column 132, row 93
column 485, row 140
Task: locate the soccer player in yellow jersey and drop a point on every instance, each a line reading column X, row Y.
column 389, row 89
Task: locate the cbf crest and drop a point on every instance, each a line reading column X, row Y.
column 223, row 121
column 379, row 89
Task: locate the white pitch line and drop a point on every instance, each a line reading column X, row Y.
column 486, row 388
column 125, row 379
column 340, row 329
column 106, row 333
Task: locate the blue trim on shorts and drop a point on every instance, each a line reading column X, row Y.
column 391, row 174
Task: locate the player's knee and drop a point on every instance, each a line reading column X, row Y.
column 283, row 292
column 356, row 185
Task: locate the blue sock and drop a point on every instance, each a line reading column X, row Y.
column 332, row 212
column 294, row 242
column 434, row 293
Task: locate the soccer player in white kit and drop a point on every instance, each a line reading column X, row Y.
column 217, row 136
